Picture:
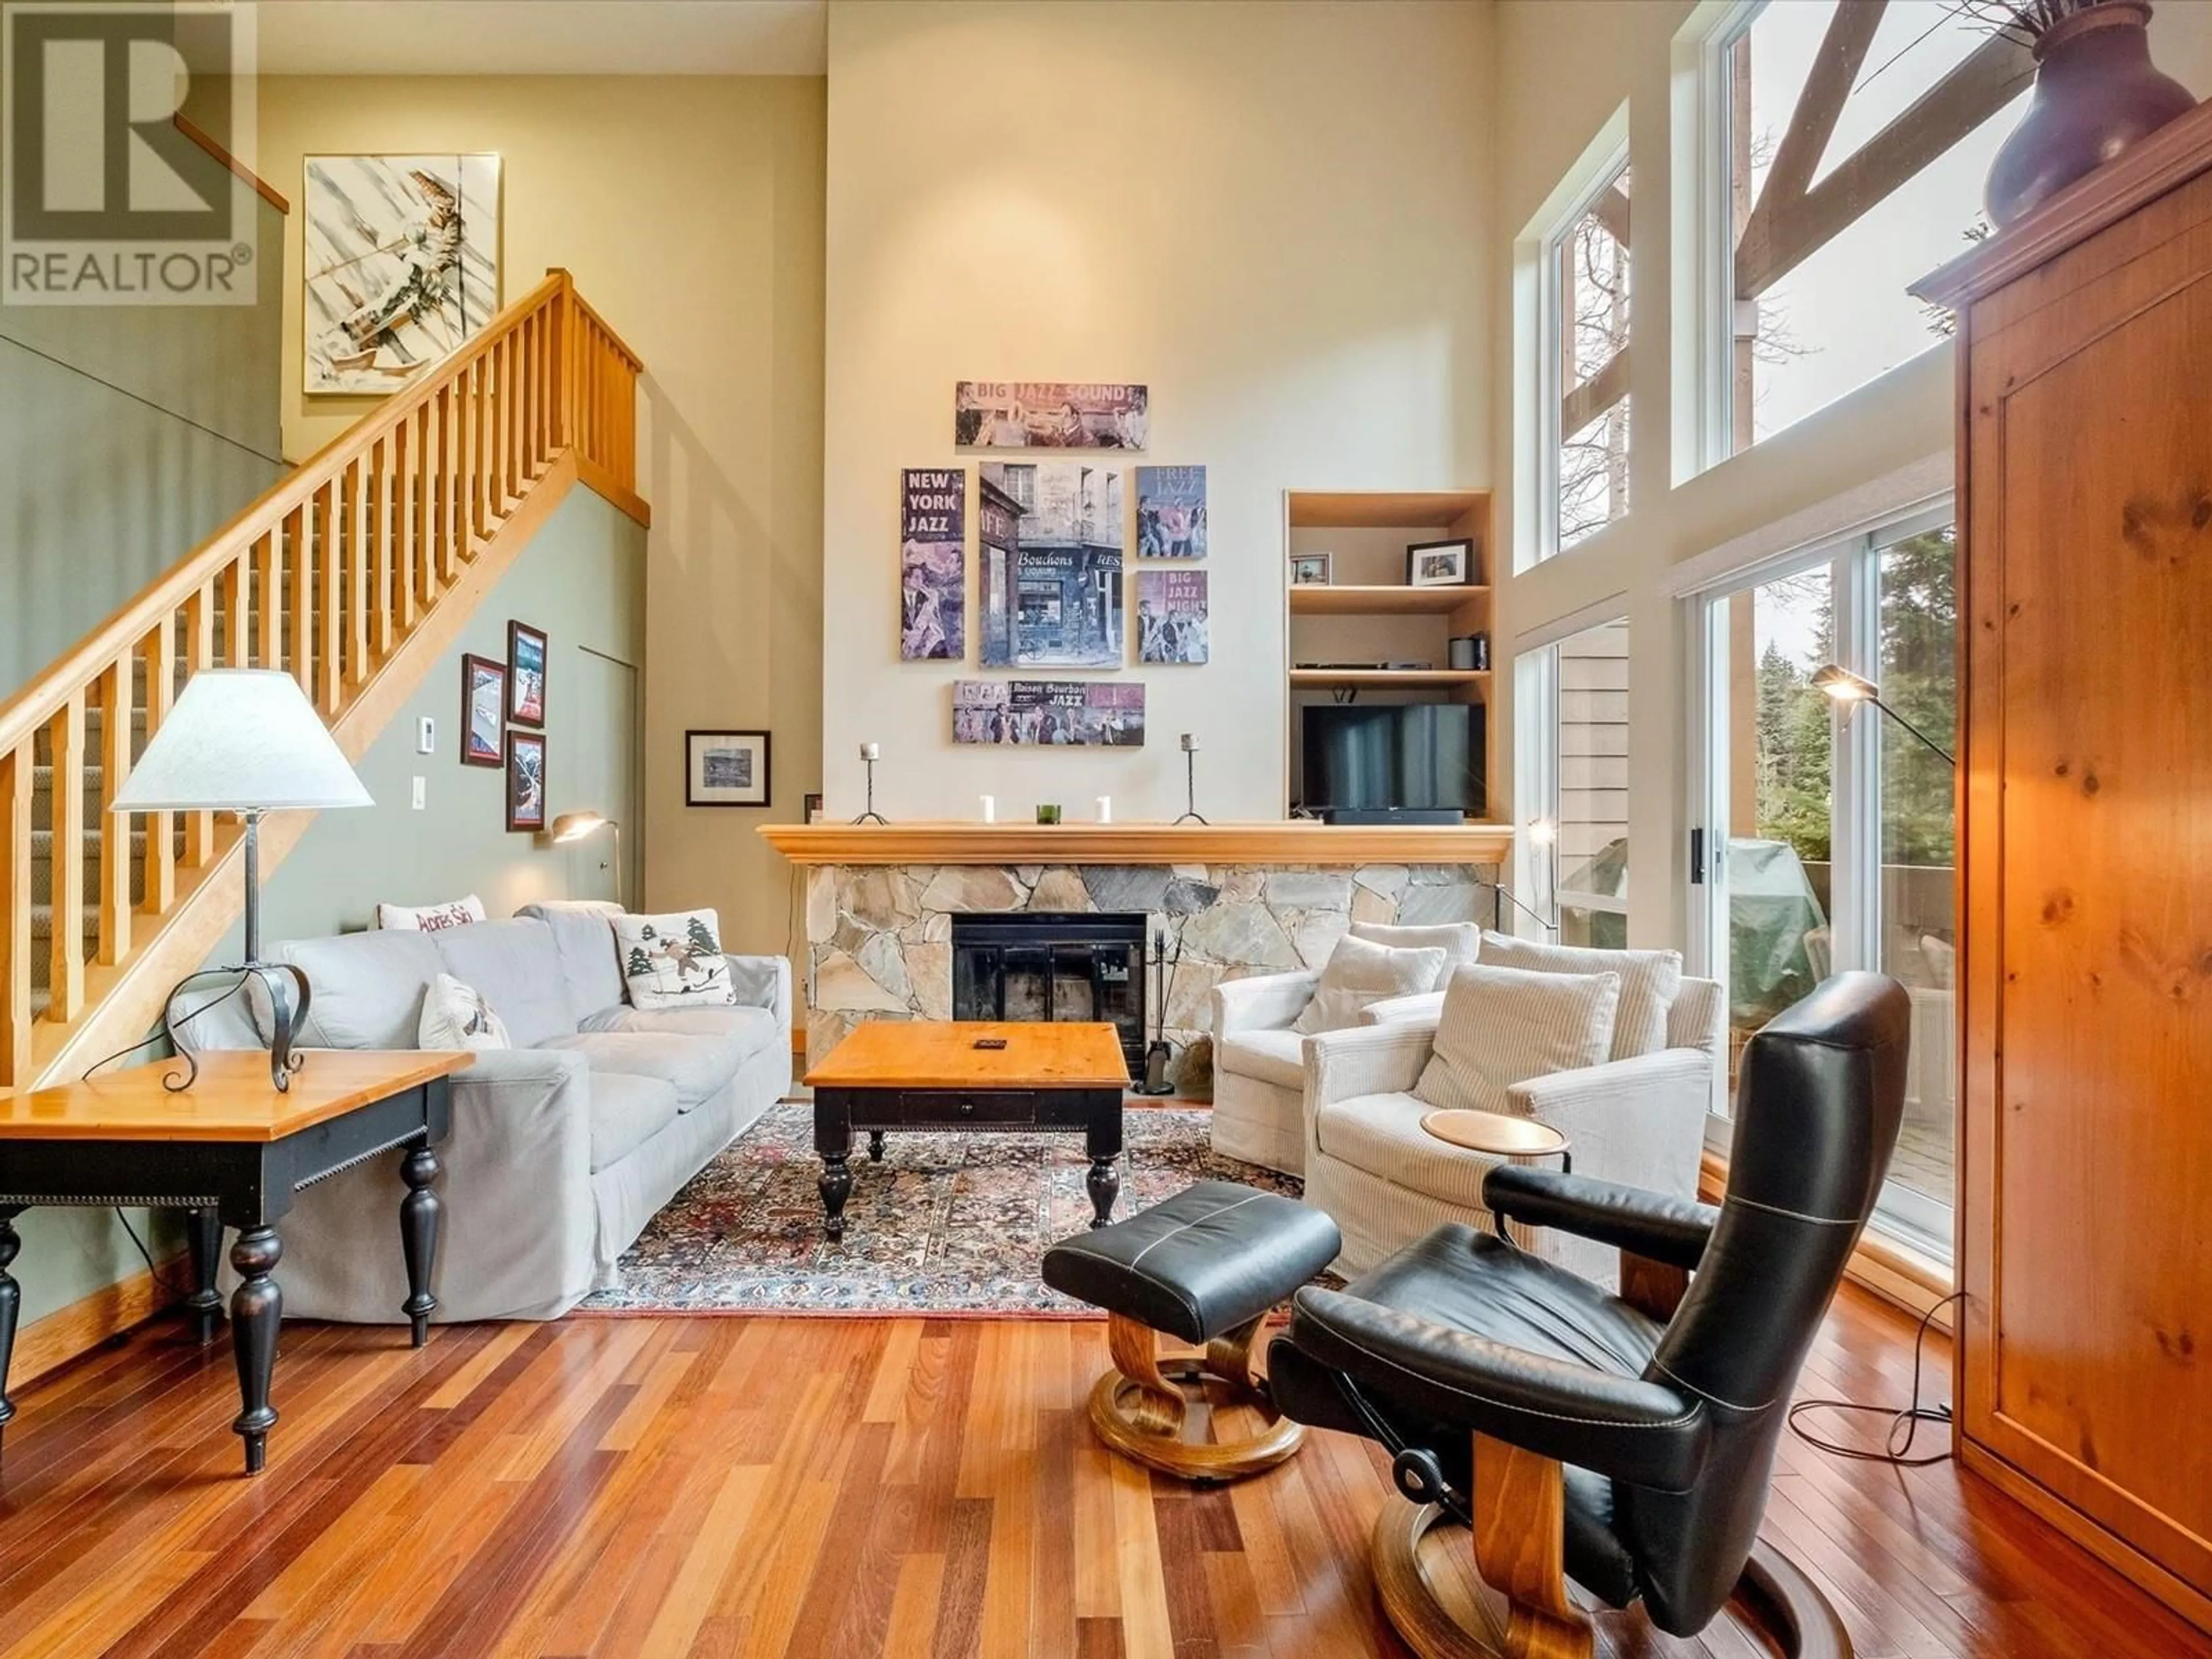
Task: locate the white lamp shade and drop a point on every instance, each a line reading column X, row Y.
column 242, row 740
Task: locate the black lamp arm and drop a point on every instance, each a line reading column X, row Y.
column 1949, row 759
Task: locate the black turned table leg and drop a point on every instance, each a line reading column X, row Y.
column 875, row 1145
column 257, row 1308
column 418, row 1236
column 204, row 1232
column 11, row 1299
column 1103, row 1141
column 833, row 1140
column 836, row 1186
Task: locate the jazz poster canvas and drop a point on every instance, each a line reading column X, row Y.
column 402, row 265
column 1049, row 415
column 1108, row 713
column 932, row 564
column 1171, row 616
column 1051, row 553
column 1171, row 512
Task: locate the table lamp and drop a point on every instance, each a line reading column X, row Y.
column 243, row 740
column 576, row 826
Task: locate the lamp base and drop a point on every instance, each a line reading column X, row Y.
column 287, row 1012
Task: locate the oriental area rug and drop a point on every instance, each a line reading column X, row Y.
column 947, row 1224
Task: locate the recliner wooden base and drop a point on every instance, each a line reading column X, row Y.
column 1141, row 1408
column 1437, row 1601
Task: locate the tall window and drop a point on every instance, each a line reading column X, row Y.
column 1831, row 824
column 1576, row 732
column 1588, row 334
column 1854, row 137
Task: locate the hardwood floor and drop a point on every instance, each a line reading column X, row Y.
column 840, row 1487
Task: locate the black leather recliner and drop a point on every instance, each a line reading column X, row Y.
column 1664, row 1422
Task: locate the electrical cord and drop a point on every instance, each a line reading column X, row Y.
column 211, row 1004
column 1904, row 1421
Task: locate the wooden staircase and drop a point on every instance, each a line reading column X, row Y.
column 354, row 575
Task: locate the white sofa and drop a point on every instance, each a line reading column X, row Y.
column 563, row 1147
column 1386, row 1181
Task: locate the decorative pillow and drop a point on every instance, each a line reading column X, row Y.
column 1460, row 941
column 673, row 961
column 1501, row 1026
column 1648, row 982
column 455, row 1016
column 429, row 918
column 1358, row 973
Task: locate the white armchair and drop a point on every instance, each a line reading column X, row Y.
column 1259, row 1070
column 1386, row 1181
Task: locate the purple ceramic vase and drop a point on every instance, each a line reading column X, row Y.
column 2096, row 93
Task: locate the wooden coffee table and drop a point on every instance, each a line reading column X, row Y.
column 931, row 1074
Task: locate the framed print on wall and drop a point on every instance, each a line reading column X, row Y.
column 526, row 780
column 725, row 768
column 402, row 265
column 484, row 711
column 525, row 674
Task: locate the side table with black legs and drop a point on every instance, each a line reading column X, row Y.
column 231, row 1151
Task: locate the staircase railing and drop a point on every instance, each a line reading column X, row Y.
column 325, row 576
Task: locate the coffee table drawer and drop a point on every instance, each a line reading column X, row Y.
column 919, row 1106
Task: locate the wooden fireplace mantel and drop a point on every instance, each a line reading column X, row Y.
column 1288, row 842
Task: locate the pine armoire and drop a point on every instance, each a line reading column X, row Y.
column 2084, row 1385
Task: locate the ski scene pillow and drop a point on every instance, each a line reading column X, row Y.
column 674, row 961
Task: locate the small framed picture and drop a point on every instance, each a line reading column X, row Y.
column 526, row 780
column 525, row 674
column 725, row 768
column 813, row 806
column 1439, row 564
column 1312, row 569
column 484, row 711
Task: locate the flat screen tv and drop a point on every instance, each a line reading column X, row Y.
column 1421, row 757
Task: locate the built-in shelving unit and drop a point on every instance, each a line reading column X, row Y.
column 1369, row 612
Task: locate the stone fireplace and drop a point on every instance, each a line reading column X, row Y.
column 880, row 936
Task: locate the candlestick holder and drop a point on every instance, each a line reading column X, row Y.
column 870, row 753
column 1191, row 814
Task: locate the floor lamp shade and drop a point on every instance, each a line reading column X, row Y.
column 242, row 740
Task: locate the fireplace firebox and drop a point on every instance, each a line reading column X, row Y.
column 1042, row 965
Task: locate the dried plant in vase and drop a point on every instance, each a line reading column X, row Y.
column 2096, row 91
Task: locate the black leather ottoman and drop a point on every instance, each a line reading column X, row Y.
column 1205, row 1266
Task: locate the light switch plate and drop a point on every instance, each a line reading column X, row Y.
column 422, row 793
column 426, row 736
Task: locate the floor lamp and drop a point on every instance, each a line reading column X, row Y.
column 1846, row 688
column 243, row 740
column 576, row 826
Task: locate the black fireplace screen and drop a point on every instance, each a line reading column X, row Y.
column 1039, row 965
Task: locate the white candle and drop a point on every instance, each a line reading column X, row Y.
column 1105, row 809
column 871, row 751
column 990, row 808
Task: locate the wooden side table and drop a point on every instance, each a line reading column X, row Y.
column 1500, row 1134
column 232, row 1151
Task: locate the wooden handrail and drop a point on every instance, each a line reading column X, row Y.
column 326, row 575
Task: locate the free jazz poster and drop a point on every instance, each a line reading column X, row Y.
column 1171, row 616
column 1098, row 712
column 1048, row 415
column 932, row 564
column 1051, row 548
column 1171, row 512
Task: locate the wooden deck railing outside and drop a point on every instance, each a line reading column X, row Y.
column 324, row 577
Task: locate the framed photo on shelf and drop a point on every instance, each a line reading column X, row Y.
column 484, row 711
column 526, row 780
column 725, row 768
column 1312, row 569
column 527, row 651
column 1440, row 564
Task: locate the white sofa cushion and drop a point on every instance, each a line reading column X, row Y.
column 1276, row 1056
column 584, row 941
column 696, row 1068
column 1501, row 1026
column 674, row 961
column 745, row 1030
column 1648, row 982
column 429, row 918
column 455, row 1016
column 626, row 1112
column 1383, row 1135
column 1359, row 972
column 1461, row 941
column 517, row 967
column 365, row 989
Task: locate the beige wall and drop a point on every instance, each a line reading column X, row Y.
column 1275, row 216
column 689, row 210
column 1557, row 87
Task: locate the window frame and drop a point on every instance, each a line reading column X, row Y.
column 1599, row 167
column 1537, row 703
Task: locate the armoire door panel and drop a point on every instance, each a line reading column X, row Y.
column 2092, row 713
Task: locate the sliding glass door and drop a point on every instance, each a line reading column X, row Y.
column 1822, row 830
